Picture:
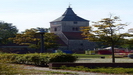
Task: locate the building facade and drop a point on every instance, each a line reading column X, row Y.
column 67, row 28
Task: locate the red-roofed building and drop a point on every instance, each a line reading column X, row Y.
column 67, row 27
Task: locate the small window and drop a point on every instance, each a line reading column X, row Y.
column 55, row 29
column 81, row 44
column 73, row 29
column 55, row 23
column 76, row 29
column 75, row 22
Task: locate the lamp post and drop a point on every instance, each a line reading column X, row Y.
column 42, row 32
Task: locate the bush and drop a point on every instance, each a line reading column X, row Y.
column 62, row 57
column 38, row 59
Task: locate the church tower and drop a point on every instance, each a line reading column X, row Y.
column 67, row 27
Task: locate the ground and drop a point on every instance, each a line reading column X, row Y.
column 83, row 60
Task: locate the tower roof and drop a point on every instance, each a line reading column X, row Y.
column 69, row 15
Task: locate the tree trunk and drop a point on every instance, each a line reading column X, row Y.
column 113, row 56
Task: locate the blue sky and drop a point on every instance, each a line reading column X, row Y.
column 26, row 14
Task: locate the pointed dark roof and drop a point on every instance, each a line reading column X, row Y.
column 69, row 15
column 69, row 12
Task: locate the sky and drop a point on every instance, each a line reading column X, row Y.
column 26, row 14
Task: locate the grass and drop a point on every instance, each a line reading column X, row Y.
column 91, row 56
column 109, row 70
column 14, row 69
column 11, row 70
column 6, row 69
column 38, row 72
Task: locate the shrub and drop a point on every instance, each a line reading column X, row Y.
column 38, row 58
column 62, row 57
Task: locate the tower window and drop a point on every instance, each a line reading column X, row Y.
column 81, row 44
column 76, row 29
column 55, row 29
column 75, row 22
column 73, row 29
column 55, row 23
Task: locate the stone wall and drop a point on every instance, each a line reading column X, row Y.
column 78, row 45
column 69, row 26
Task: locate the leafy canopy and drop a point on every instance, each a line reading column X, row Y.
column 108, row 31
column 7, row 30
column 31, row 37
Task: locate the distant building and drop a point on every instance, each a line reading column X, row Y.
column 67, row 27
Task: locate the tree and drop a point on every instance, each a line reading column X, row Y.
column 129, row 41
column 31, row 37
column 107, row 31
column 7, row 31
column 50, row 40
column 128, row 44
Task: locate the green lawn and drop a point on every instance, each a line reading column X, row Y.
column 6, row 69
column 109, row 70
column 91, row 56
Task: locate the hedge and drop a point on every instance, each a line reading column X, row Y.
column 38, row 58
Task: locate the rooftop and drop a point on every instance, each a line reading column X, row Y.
column 69, row 15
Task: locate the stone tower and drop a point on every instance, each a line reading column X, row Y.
column 67, row 27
